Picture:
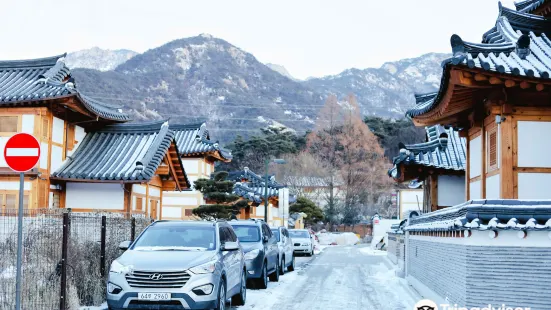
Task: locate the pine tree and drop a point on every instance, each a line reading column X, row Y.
column 218, row 192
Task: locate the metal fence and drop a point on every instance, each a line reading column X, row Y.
column 66, row 256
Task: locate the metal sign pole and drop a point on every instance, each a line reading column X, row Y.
column 19, row 242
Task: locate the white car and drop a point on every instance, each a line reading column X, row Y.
column 302, row 241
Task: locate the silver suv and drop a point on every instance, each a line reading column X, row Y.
column 179, row 265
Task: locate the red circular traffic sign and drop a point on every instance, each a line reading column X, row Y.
column 22, row 152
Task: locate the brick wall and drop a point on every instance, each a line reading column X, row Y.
column 478, row 275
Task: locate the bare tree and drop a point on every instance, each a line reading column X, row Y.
column 349, row 152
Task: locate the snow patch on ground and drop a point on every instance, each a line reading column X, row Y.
column 370, row 251
column 396, row 286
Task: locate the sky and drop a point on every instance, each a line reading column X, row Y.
column 308, row 37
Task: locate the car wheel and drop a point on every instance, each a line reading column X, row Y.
column 282, row 266
column 274, row 277
column 292, row 266
column 262, row 283
column 240, row 299
column 222, row 296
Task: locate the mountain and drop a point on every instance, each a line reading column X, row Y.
column 97, row 58
column 281, row 70
column 204, row 78
column 388, row 90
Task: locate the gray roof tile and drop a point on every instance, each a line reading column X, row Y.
column 125, row 152
column 518, row 44
column 33, row 80
column 487, row 215
column 194, row 139
column 444, row 150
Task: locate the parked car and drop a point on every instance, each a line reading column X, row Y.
column 302, row 241
column 179, row 265
column 286, row 252
column 261, row 251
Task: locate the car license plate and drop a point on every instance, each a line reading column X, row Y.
column 154, row 296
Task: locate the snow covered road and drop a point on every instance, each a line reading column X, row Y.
column 343, row 277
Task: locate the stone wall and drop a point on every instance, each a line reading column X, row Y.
column 477, row 271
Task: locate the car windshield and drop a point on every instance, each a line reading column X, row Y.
column 177, row 238
column 299, row 234
column 247, row 233
column 276, row 233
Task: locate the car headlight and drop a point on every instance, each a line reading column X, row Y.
column 119, row 268
column 252, row 254
column 209, row 267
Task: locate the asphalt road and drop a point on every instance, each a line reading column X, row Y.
column 343, row 277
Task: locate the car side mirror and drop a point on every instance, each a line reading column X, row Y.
column 230, row 246
column 265, row 238
column 124, row 245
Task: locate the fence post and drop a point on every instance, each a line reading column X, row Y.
column 102, row 250
column 64, row 246
column 133, row 229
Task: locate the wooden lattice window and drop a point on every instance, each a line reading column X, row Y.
column 139, row 203
column 45, row 128
column 8, row 124
column 492, row 150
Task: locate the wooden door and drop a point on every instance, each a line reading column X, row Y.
column 153, row 204
column 8, row 202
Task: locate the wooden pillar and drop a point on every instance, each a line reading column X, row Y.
column 506, row 131
column 483, row 148
column 433, row 192
column 127, row 198
column 467, row 173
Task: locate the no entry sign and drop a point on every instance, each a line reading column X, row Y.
column 22, row 152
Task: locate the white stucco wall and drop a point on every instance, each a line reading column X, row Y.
column 475, row 157
column 410, row 199
column 58, row 130
column 451, row 190
column 531, row 151
column 155, row 192
column 79, row 137
column 179, row 200
column 14, row 186
column 475, row 190
column 493, row 187
column 56, row 158
column 27, row 123
column 139, row 189
column 172, row 212
column 43, row 155
column 94, row 196
column 191, row 165
column 3, row 141
column 534, row 186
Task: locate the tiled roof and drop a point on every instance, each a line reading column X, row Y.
column 527, row 6
column 194, row 139
column 518, row 45
column 487, row 215
column 125, row 152
column 25, row 81
column 444, row 150
column 249, row 185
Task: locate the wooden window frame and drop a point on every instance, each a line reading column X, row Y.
column 71, row 142
column 45, row 128
column 18, row 129
column 139, row 204
column 489, row 165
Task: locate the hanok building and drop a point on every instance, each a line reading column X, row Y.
column 124, row 168
column 39, row 97
column 251, row 187
column 494, row 248
column 199, row 154
column 89, row 160
column 317, row 189
column 438, row 164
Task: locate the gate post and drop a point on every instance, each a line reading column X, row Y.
column 64, row 245
column 102, row 250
